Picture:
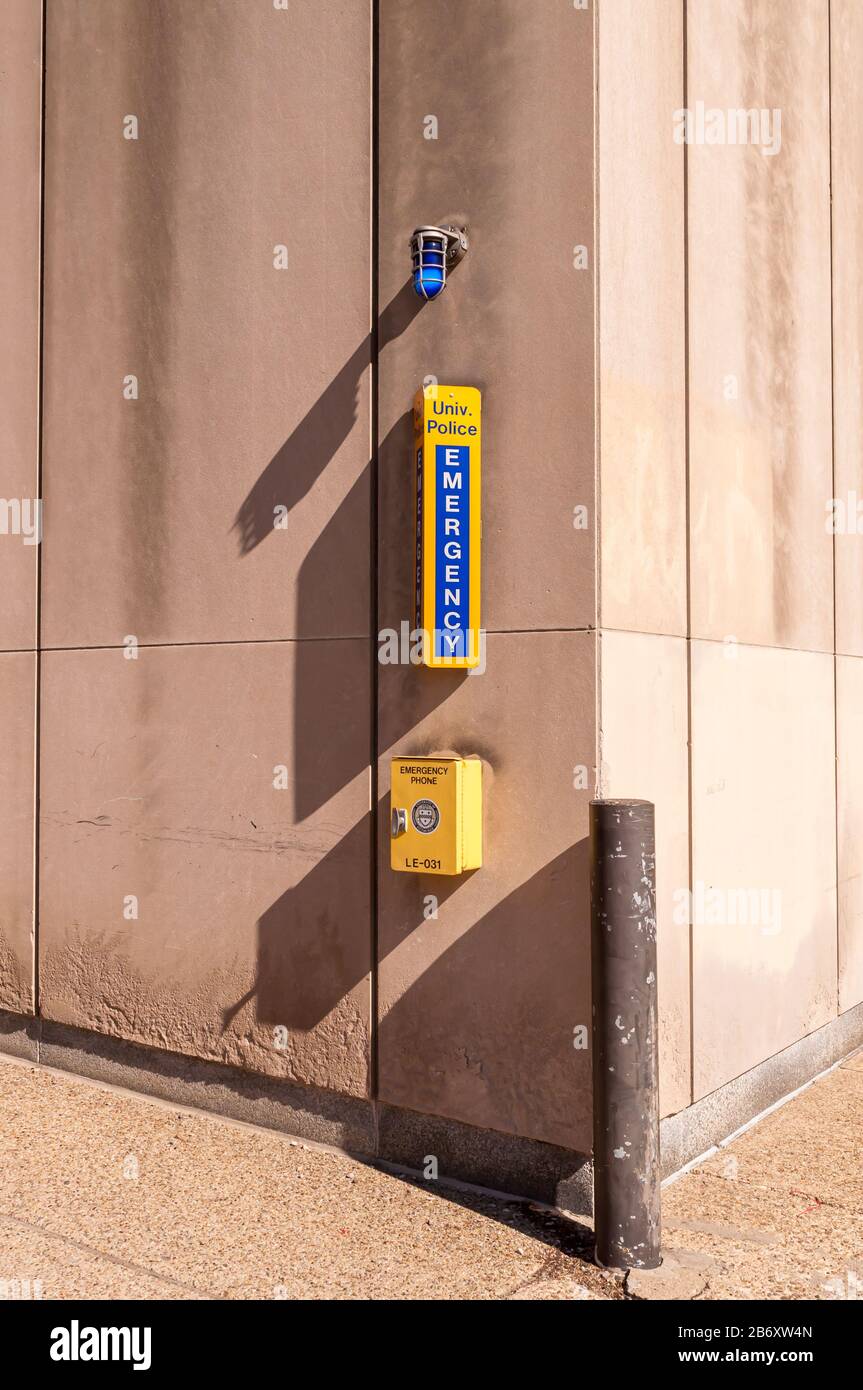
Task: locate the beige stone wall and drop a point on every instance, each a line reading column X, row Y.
column 192, row 655
column 847, row 184
column 718, row 461
column 642, row 579
column 20, row 162
column 192, row 895
column 229, row 338
column 478, row 1006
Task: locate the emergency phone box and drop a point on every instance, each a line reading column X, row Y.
column 436, row 805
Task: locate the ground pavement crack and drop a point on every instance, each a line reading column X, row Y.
column 103, row 1255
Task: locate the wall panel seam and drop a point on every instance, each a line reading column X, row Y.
column 833, row 489
column 40, row 388
column 688, row 543
column 374, row 414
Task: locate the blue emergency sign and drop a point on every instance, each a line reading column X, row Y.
column 447, row 536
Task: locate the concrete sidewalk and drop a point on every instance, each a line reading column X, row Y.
column 776, row 1213
column 105, row 1194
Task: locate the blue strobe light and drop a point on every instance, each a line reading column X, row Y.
column 434, row 251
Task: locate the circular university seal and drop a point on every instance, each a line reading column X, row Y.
column 425, row 816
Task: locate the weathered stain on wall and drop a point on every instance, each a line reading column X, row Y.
column 750, row 891
column 846, row 34
column 644, row 716
column 205, row 708
column 20, row 164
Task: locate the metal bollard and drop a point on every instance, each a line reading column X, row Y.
column 625, row 1071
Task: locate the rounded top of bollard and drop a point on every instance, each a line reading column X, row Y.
column 620, row 801
column 622, row 811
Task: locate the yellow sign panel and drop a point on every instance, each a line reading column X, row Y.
column 447, row 442
column 436, row 806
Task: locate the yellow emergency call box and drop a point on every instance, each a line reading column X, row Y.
column 436, row 806
column 447, row 441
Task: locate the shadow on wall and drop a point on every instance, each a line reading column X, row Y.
column 333, row 714
column 480, row 1035
column 306, row 452
column 471, row 1038
column 310, row 953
